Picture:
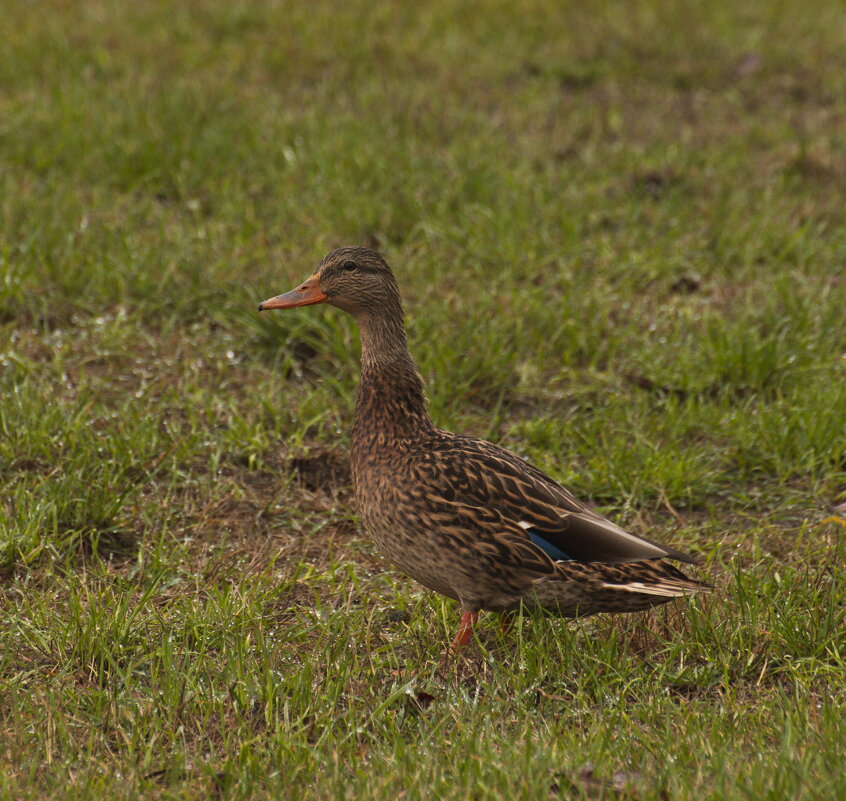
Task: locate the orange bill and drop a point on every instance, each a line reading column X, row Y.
column 304, row 295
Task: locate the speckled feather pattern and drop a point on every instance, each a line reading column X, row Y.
column 454, row 512
column 445, row 509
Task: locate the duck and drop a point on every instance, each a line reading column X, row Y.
column 462, row 516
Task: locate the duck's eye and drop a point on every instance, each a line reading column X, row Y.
column 350, row 265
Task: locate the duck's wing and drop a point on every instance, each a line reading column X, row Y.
column 496, row 564
column 479, row 473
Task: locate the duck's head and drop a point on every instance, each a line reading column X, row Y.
column 357, row 280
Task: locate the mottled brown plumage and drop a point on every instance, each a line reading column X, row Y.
column 463, row 516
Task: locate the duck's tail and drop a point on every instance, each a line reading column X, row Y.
column 585, row 588
column 651, row 577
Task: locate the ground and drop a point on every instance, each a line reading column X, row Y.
column 619, row 231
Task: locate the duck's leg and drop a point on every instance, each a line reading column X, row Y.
column 465, row 630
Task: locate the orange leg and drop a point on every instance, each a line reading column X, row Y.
column 465, row 630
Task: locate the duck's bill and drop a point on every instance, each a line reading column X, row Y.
column 306, row 294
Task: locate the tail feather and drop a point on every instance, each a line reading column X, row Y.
column 654, row 577
column 667, row 590
column 587, row 588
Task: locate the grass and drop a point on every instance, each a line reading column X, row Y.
column 620, row 233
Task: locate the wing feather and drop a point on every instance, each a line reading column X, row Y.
column 485, row 475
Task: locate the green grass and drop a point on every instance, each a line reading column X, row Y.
column 620, row 231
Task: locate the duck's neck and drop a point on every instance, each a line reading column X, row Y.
column 391, row 405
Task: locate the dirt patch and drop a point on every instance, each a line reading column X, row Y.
column 327, row 471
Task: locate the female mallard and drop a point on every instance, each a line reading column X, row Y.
column 462, row 516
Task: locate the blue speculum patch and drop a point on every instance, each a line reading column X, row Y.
column 547, row 547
